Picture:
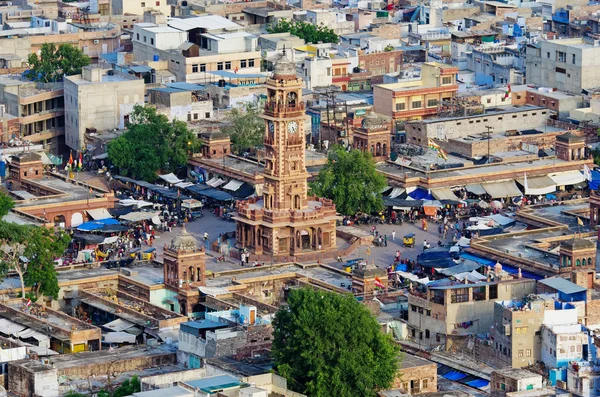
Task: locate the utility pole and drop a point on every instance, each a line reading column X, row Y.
column 489, row 128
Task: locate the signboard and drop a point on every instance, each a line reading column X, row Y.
column 360, row 112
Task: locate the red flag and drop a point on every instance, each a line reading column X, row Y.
column 80, row 160
column 71, row 158
column 378, row 283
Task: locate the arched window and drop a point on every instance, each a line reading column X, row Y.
column 578, row 262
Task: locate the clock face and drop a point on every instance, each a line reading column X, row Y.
column 292, row 127
column 271, row 127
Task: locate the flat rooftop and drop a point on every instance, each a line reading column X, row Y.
column 116, row 77
column 68, row 192
column 48, row 316
column 489, row 112
column 137, row 312
column 410, row 361
column 82, row 359
column 27, row 87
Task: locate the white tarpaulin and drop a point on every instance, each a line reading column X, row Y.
column 170, row 178
column 118, row 337
column 110, row 240
column 537, row 185
column 183, row 185
column 218, row 182
column 7, row 327
column 100, row 213
column 397, row 191
column 119, row 325
column 475, row 188
column 29, row 333
column 502, row 189
column 567, row 178
column 213, row 291
column 138, row 216
column 136, row 203
column 211, row 181
column 444, row 194
column 41, row 351
column 191, row 203
column 233, row 185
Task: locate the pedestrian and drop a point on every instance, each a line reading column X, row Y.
column 243, row 258
column 393, row 235
column 385, row 239
column 373, row 230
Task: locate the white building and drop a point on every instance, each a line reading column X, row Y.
column 570, row 65
column 562, row 344
column 137, row 7
column 101, row 99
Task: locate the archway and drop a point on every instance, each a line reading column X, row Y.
column 385, row 149
column 297, row 202
column 344, row 88
column 378, row 149
column 305, row 239
column 191, row 274
column 76, row 219
column 59, row 220
column 298, row 239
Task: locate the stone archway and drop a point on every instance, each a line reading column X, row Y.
column 60, row 220
column 76, row 219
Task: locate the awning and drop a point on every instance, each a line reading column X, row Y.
column 90, row 226
column 118, row 337
column 100, row 156
column 502, row 189
column 233, row 185
column 119, row 325
column 191, row 204
column 170, row 178
column 567, row 178
column 397, row 191
column 136, row 203
column 211, row 181
column 100, row 213
column 430, row 211
column 218, row 182
column 183, row 185
column 444, row 194
column 7, row 327
column 538, row 185
column 41, row 351
column 29, row 333
column 475, row 188
column 110, row 240
column 138, row 216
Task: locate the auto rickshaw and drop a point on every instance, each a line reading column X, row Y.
column 133, row 252
column 148, row 254
column 409, row 240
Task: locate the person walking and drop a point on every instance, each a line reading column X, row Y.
column 385, row 240
column 393, row 235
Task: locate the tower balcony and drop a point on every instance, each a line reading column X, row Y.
column 275, row 109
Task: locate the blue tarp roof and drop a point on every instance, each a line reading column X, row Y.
column 421, row 194
column 594, row 184
column 183, row 86
column 141, row 69
column 97, row 224
column 216, row 194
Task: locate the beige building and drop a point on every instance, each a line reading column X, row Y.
column 40, row 110
column 201, row 49
column 101, row 99
column 445, row 315
column 137, row 7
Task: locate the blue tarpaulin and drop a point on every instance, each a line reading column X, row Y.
column 2, row 169
column 421, row 194
column 97, row 224
column 478, row 383
column 454, row 375
column 594, row 184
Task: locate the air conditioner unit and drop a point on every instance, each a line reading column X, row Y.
column 96, row 41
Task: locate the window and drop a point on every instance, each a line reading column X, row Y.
column 425, row 383
column 416, row 104
column 228, row 65
column 251, row 63
column 413, row 308
column 573, row 58
column 489, row 100
column 195, row 116
column 143, row 4
column 520, row 354
column 427, row 333
column 437, row 337
column 194, row 68
column 243, row 63
column 189, row 117
column 207, row 115
column 528, row 352
column 459, row 295
column 151, row 41
column 203, row 67
column 400, row 106
column 219, row 65
column 446, row 80
column 432, row 102
column 428, row 312
column 561, row 70
column 561, row 56
column 158, row 3
column 493, row 291
column 137, row 36
column 144, row 39
column 548, row 54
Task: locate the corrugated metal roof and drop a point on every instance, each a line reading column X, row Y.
column 562, row 285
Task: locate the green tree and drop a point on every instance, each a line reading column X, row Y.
column 6, row 204
column 305, row 30
column 327, row 344
column 40, row 246
column 151, row 143
column 596, row 154
column 53, row 63
column 127, row 388
column 247, row 129
column 351, row 180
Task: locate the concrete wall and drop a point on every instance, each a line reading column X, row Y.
column 170, row 379
column 462, row 127
column 30, row 377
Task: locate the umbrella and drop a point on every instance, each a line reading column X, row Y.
column 550, row 196
column 483, row 204
column 496, row 204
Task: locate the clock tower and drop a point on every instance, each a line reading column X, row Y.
column 285, row 222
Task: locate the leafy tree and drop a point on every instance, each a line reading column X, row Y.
column 596, row 154
column 73, row 393
column 40, row 246
column 53, row 63
column 247, row 129
column 6, row 204
column 327, row 344
column 305, row 30
column 351, row 180
column 127, row 388
column 151, row 143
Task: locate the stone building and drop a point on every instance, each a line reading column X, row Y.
column 285, row 221
column 184, row 269
column 416, row 375
column 512, row 380
column 577, row 254
column 570, row 147
column 373, row 136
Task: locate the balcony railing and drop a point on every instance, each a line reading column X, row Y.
column 274, row 107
